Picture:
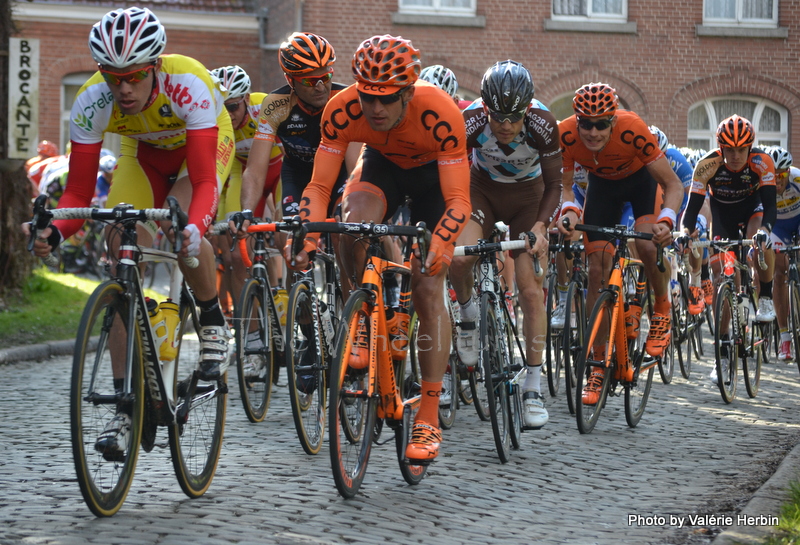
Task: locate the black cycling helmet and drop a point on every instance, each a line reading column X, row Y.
column 507, row 88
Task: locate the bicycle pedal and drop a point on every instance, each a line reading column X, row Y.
column 411, row 462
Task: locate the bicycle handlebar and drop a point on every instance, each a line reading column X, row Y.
column 622, row 232
column 489, row 247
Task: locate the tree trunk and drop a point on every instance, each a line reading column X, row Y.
column 15, row 203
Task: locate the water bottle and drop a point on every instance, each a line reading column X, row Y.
column 172, row 320
column 728, row 261
column 397, row 324
column 633, row 315
column 281, row 302
column 158, row 323
column 327, row 325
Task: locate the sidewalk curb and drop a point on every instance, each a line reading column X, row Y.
column 40, row 352
column 765, row 502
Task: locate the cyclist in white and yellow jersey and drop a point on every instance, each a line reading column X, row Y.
column 169, row 112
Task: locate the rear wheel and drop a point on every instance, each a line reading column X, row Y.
column 305, row 366
column 794, row 317
column 555, row 354
column 254, row 354
column 104, row 475
column 352, row 407
column 637, row 392
column 754, row 350
column 588, row 407
column 683, row 329
column 726, row 343
column 196, row 439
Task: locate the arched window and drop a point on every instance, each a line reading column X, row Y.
column 770, row 120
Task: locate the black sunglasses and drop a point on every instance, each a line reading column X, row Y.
column 587, row 125
column 383, row 99
column 502, row 118
column 233, row 106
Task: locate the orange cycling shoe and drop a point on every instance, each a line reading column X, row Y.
column 708, row 290
column 696, row 300
column 359, row 353
column 658, row 339
column 425, row 441
column 591, row 392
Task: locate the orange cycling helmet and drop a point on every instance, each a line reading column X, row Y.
column 304, row 52
column 47, row 149
column 595, row 100
column 385, row 64
column 735, row 132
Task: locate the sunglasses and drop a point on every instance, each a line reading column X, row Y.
column 587, row 125
column 312, row 81
column 383, row 99
column 233, row 106
column 113, row 78
column 502, row 118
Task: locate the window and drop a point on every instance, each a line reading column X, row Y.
column 748, row 13
column 70, row 86
column 601, row 10
column 770, row 120
column 438, row 7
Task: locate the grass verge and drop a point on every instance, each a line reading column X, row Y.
column 788, row 529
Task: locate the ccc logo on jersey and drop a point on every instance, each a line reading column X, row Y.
column 340, row 119
column 441, row 130
column 638, row 141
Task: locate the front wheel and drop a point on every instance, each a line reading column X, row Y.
column 104, row 474
column 195, row 440
column 495, row 366
column 554, row 356
column 254, row 349
column 754, row 351
column 794, row 317
column 574, row 324
column 305, row 365
column 352, row 407
column 591, row 363
column 637, row 392
column 726, row 342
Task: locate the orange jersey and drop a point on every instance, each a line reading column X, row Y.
column 631, row 147
column 432, row 129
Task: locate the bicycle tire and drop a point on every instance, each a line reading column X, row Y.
column 448, row 402
column 196, row 443
column 409, row 382
column 574, row 330
column 494, row 370
column 477, row 387
column 305, row 368
column 104, row 483
column 514, row 390
column 255, row 357
column 684, row 327
column 724, row 307
column 753, row 351
column 794, row 317
column 587, row 414
column 554, row 356
column 351, row 409
column 638, row 392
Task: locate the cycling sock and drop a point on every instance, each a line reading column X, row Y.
column 429, row 403
column 766, row 289
column 210, row 312
column 533, row 379
column 694, row 278
column 785, row 335
column 469, row 310
column 661, row 304
column 562, row 293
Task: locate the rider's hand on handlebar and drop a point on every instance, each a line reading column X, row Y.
column 662, row 234
column 46, row 242
column 239, row 221
column 191, row 241
column 762, row 239
column 573, row 221
column 302, row 258
column 439, row 255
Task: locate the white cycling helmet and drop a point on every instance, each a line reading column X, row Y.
column 235, row 80
column 107, row 163
column 124, row 37
column 781, row 157
column 663, row 142
column 441, row 77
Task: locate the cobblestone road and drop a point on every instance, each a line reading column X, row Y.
column 691, row 454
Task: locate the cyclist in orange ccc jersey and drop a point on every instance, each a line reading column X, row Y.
column 169, row 112
column 415, row 146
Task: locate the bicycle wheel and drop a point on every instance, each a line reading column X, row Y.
column 726, row 343
column 753, row 350
column 104, row 478
column 683, row 328
column 352, row 407
column 448, row 402
column 495, row 367
column 409, row 382
column 305, row 363
column 574, row 324
column 254, row 354
column 794, row 317
column 195, row 440
column 637, row 392
column 477, row 387
column 554, row 356
column 587, row 409
column 517, row 363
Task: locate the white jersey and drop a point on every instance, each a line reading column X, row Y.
column 789, row 200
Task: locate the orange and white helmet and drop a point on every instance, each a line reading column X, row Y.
column 595, row 100
column 382, row 65
column 47, row 148
column 124, row 37
column 735, row 132
column 303, row 52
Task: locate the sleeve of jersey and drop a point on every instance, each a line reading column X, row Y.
column 692, row 210
column 769, row 199
column 84, row 160
column 454, row 181
column 317, row 194
column 551, row 198
column 201, row 153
